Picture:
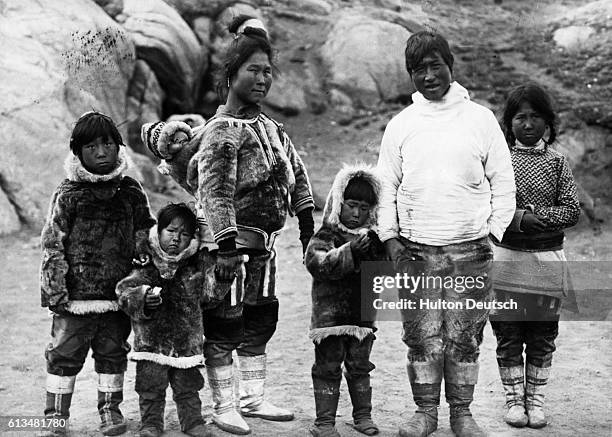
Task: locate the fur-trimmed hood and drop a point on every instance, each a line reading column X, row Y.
column 335, row 198
column 166, row 264
column 76, row 172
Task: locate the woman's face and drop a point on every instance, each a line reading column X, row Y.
column 528, row 125
column 252, row 81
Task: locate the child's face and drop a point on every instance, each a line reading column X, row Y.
column 354, row 213
column 432, row 77
column 99, row 156
column 175, row 237
column 528, row 125
column 179, row 139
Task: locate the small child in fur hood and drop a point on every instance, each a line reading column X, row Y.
column 164, row 299
column 97, row 220
column 333, row 257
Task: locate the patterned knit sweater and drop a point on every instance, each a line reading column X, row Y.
column 545, row 186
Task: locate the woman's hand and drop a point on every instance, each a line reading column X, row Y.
column 227, row 266
column 393, row 248
column 533, row 223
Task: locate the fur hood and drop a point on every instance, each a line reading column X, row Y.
column 335, row 198
column 166, row 264
column 76, row 172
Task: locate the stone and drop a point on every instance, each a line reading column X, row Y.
column 59, row 59
column 287, row 95
column 573, row 38
column 165, row 41
column 9, row 220
column 111, row 7
column 144, row 104
column 365, row 59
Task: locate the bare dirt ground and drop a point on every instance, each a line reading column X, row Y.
column 579, row 396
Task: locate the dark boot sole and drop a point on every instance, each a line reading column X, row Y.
column 286, row 418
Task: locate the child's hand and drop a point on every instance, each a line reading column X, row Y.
column 360, row 245
column 179, row 140
column 533, row 223
column 142, row 260
column 153, row 298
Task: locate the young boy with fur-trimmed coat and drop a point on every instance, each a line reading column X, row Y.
column 164, row 300
column 333, row 257
column 97, row 220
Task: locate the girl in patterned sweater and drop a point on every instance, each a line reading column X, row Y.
column 531, row 265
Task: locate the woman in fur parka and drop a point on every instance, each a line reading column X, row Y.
column 247, row 177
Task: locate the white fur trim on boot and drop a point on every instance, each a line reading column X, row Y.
column 225, row 415
column 537, row 378
column 60, row 384
column 252, row 381
column 110, row 383
column 513, row 380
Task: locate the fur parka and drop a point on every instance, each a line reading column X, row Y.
column 95, row 226
column 172, row 334
column 336, row 277
column 244, row 170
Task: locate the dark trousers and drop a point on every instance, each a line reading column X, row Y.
column 152, row 380
column 455, row 334
column 535, row 327
column 72, row 337
column 337, row 349
column 247, row 326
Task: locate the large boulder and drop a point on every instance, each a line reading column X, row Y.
column 59, row 60
column 165, row 41
column 287, row 95
column 144, row 104
column 365, row 58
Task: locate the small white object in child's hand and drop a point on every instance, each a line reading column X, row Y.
column 155, row 291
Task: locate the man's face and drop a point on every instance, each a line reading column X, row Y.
column 432, row 77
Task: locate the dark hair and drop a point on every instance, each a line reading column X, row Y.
column 90, row 126
column 251, row 40
column 173, row 210
column 539, row 101
column 423, row 43
column 359, row 188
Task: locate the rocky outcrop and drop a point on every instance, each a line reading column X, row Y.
column 144, row 103
column 59, row 60
column 365, row 58
column 165, row 41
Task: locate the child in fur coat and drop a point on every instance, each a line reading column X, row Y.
column 164, row 299
column 98, row 218
column 333, row 257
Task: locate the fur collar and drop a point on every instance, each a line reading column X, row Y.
column 335, row 198
column 77, row 173
column 169, row 264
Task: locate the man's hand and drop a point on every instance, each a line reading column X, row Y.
column 227, row 267
column 533, row 223
column 153, row 298
column 393, row 248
